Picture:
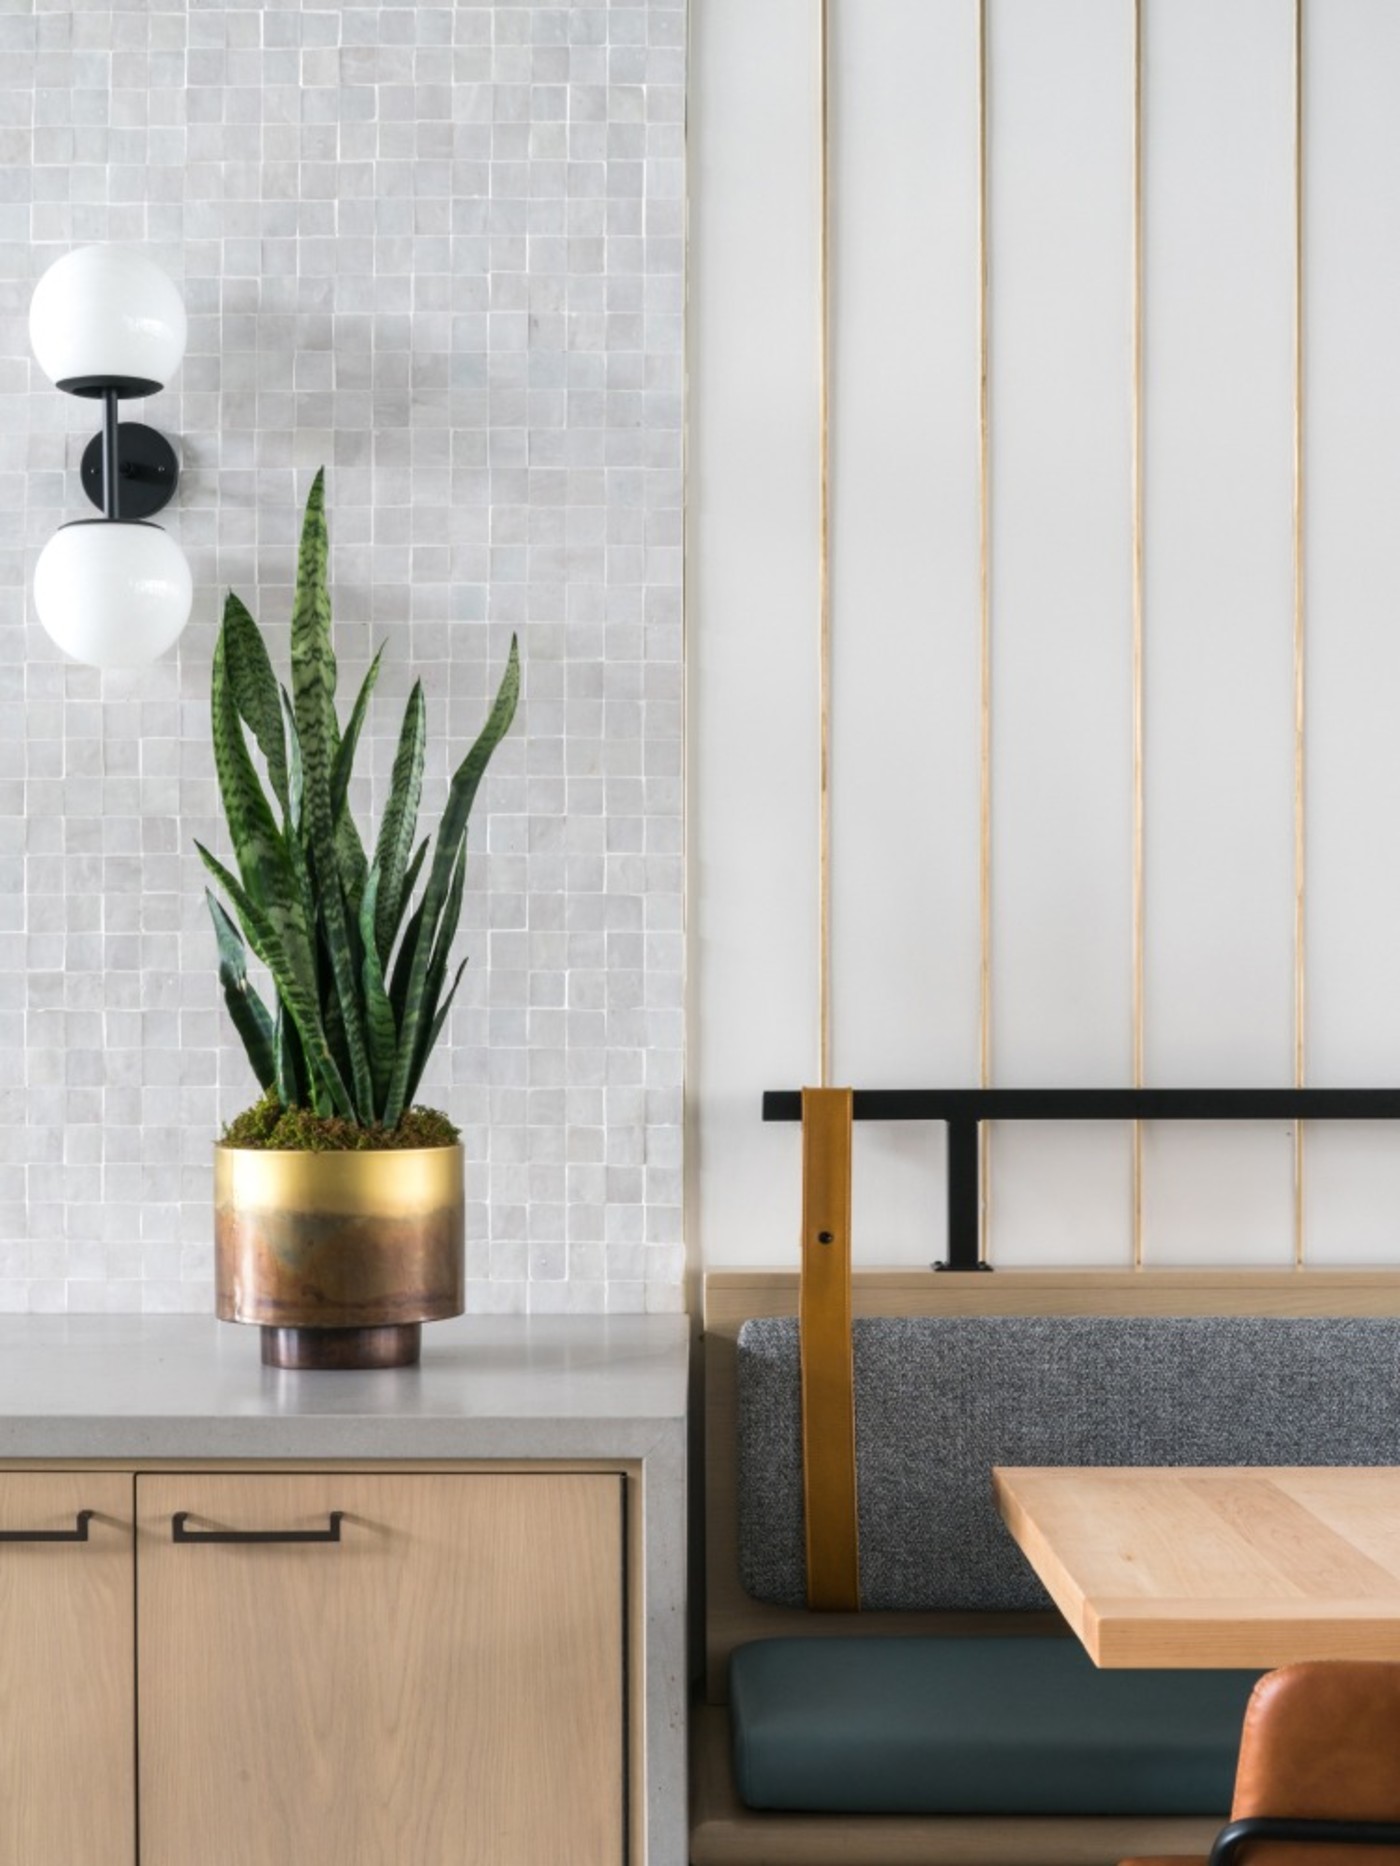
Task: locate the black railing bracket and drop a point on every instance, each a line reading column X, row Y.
column 964, row 1110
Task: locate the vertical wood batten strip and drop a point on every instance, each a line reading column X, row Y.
column 824, row 558
column 1139, row 1014
column 984, row 549
column 829, row 1485
column 828, row 1392
column 1299, row 656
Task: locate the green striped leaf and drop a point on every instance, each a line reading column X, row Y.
column 294, row 775
column 379, row 1017
column 446, row 848
column 313, row 704
column 428, row 1024
column 335, row 1024
column 396, row 831
column 311, row 605
column 296, row 833
column 272, row 868
column 256, row 694
column 295, row 991
column 257, row 841
column 434, row 1033
column 250, row 1015
column 403, row 965
column 342, row 768
column 467, row 778
column 291, row 1069
column 410, row 882
column 444, row 935
column 350, row 858
column 289, row 976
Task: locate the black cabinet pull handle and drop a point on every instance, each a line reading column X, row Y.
column 179, row 1533
column 77, row 1534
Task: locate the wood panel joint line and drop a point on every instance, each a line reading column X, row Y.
column 984, row 889
column 1138, row 778
column 1299, row 655
column 135, row 1677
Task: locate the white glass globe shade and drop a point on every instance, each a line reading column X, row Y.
column 111, row 592
column 106, row 314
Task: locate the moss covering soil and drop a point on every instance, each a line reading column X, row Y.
column 268, row 1127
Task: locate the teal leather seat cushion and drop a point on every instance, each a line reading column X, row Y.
column 978, row 1726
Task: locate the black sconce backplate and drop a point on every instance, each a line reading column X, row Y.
column 147, row 468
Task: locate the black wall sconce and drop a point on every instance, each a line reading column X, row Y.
column 106, row 323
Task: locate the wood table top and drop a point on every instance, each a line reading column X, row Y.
column 1227, row 1566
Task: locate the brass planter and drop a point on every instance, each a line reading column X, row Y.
column 339, row 1257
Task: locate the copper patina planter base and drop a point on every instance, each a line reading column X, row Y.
column 398, row 1345
column 339, row 1257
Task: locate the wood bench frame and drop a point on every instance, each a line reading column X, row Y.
column 723, row 1832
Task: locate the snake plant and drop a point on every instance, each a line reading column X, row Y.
column 360, row 971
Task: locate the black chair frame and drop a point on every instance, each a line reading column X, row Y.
column 1262, row 1827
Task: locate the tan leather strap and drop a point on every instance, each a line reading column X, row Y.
column 828, row 1396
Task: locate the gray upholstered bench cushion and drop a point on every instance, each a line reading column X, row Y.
column 940, row 1401
column 977, row 1726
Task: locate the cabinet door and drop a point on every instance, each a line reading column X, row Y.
column 67, row 1691
column 442, row 1686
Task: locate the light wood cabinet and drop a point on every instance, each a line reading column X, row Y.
column 67, row 1690
column 314, row 1669
column 442, row 1684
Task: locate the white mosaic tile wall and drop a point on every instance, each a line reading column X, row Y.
column 439, row 249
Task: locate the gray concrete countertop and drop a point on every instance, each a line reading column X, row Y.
column 132, row 1387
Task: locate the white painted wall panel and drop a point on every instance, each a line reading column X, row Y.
column 1060, row 186
column 752, row 595
column 905, row 590
column 1352, row 406
column 1219, row 700
column 1219, row 606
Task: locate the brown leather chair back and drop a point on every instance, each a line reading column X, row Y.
column 1321, row 1742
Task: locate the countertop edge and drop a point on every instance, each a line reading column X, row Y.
column 295, row 1440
